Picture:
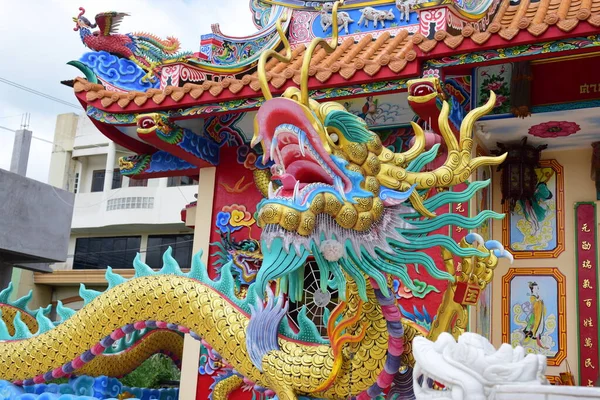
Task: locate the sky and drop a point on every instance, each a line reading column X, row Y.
column 37, row 40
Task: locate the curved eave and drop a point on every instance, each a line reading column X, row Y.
column 212, row 104
column 355, row 64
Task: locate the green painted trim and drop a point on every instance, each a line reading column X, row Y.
column 577, row 261
column 249, row 104
column 509, row 53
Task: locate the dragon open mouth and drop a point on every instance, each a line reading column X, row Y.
column 145, row 123
column 301, row 162
column 422, row 89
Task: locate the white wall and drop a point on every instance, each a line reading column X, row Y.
column 62, row 166
column 88, row 135
column 91, row 164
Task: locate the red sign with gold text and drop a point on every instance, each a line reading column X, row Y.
column 581, row 83
column 465, row 294
column 587, row 292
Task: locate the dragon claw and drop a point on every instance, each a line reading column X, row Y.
column 504, row 254
column 474, row 237
column 493, row 245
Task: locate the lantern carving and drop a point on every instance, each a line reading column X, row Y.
column 519, row 178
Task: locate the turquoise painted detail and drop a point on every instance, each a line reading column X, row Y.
column 515, row 52
column 40, row 315
column 424, row 226
column 352, row 127
column 308, row 331
column 423, row 159
column 251, row 103
column 279, row 262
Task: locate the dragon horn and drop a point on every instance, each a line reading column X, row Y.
column 262, row 62
column 82, row 11
column 458, row 165
column 329, row 47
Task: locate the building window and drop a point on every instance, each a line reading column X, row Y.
column 180, row 181
column 138, row 182
column 100, row 252
column 181, row 245
column 123, row 203
column 76, row 183
column 98, row 180
column 117, row 180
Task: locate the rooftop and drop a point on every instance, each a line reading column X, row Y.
column 372, row 59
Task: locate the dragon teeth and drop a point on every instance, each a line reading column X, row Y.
column 273, row 148
column 339, row 187
column 302, row 143
column 295, row 197
column 271, row 190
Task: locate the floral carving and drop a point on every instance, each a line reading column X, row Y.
column 552, row 129
column 233, row 218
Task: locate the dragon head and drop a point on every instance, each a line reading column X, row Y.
column 355, row 205
column 424, row 89
column 148, row 123
column 326, row 161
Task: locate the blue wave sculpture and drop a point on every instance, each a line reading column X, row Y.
column 83, row 388
column 120, row 72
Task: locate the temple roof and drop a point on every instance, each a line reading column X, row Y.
column 368, row 55
column 510, row 20
column 371, row 59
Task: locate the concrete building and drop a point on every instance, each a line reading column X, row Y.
column 35, row 223
column 114, row 217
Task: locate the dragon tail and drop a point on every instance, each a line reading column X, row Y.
column 170, row 45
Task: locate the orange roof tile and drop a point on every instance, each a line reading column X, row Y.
column 368, row 55
column 536, row 18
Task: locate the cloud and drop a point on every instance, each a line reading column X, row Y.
column 38, row 41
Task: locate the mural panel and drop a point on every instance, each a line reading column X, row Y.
column 381, row 111
column 533, row 311
column 536, row 229
column 495, row 78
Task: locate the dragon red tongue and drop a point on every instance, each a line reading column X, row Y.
column 287, row 181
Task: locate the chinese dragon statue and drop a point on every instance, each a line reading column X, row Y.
column 362, row 211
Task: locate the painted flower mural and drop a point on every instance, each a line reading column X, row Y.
column 552, row 129
column 431, row 73
column 495, row 78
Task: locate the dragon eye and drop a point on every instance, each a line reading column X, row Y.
column 334, row 138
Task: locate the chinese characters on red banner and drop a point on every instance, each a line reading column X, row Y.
column 456, row 232
column 587, row 292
